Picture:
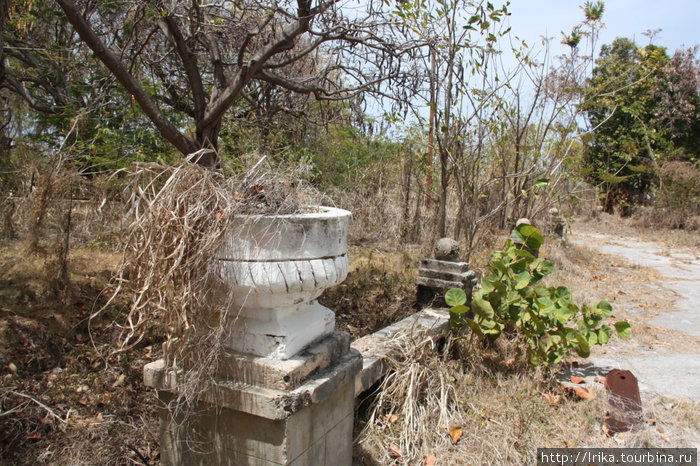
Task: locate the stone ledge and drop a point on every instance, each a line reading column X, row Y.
column 448, row 276
column 447, row 266
column 440, row 284
column 284, row 374
column 377, row 346
column 260, row 401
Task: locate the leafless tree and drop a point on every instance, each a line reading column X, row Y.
column 187, row 63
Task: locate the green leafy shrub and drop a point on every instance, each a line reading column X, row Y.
column 546, row 319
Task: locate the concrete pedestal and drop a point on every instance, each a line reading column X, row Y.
column 284, row 389
column 266, row 411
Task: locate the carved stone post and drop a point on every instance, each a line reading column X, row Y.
column 436, row 276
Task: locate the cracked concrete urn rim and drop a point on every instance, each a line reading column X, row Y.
column 272, row 269
column 297, row 255
column 316, row 233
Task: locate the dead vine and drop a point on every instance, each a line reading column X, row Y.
column 178, row 217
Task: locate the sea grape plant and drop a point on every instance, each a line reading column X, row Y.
column 547, row 319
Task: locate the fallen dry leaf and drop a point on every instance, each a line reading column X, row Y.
column 392, row 418
column 575, row 379
column 429, row 460
column 120, row 380
column 552, row 398
column 395, row 451
column 584, row 393
column 456, row 434
column 569, row 443
column 660, row 429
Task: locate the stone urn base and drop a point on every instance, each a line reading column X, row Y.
column 284, row 389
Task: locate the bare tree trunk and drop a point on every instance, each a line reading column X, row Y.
column 416, row 224
column 62, row 284
column 41, row 204
column 431, row 131
column 8, row 214
column 444, row 185
column 407, row 175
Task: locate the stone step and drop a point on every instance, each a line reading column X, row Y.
column 440, row 284
column 448, row 276
column 447, row 266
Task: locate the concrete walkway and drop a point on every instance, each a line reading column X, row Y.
column 666, row 372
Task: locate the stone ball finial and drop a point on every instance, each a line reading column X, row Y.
column 447, row 249
column 523, row 221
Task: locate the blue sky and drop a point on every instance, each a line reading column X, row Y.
column 678, row 19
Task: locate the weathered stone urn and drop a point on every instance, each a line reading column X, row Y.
column 273, row 268
column 283, row 392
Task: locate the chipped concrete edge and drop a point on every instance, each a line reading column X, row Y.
column 261, row 401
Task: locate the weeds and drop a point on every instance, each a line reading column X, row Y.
column 453, row 402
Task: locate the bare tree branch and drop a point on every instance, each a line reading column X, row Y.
column 111, row 61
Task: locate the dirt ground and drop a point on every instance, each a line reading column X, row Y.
column 67, row 398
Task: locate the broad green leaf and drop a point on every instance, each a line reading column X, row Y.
column 520, row 265
column 533, row 358
column 482, row 308
column 606, row 308
column 475, row 328
column 546, row 268
column 562, row 294
column 624, row 329
column 493, row 332
column 525, row 254
column 523, row 280
column 562, row 315
column 582, row 347
column 455, row 297
column 604, row 334
column 487, row 324
column 592, row 338
column 529, row 236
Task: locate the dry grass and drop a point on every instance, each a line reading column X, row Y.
column 498, row 413
column 169, row 267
